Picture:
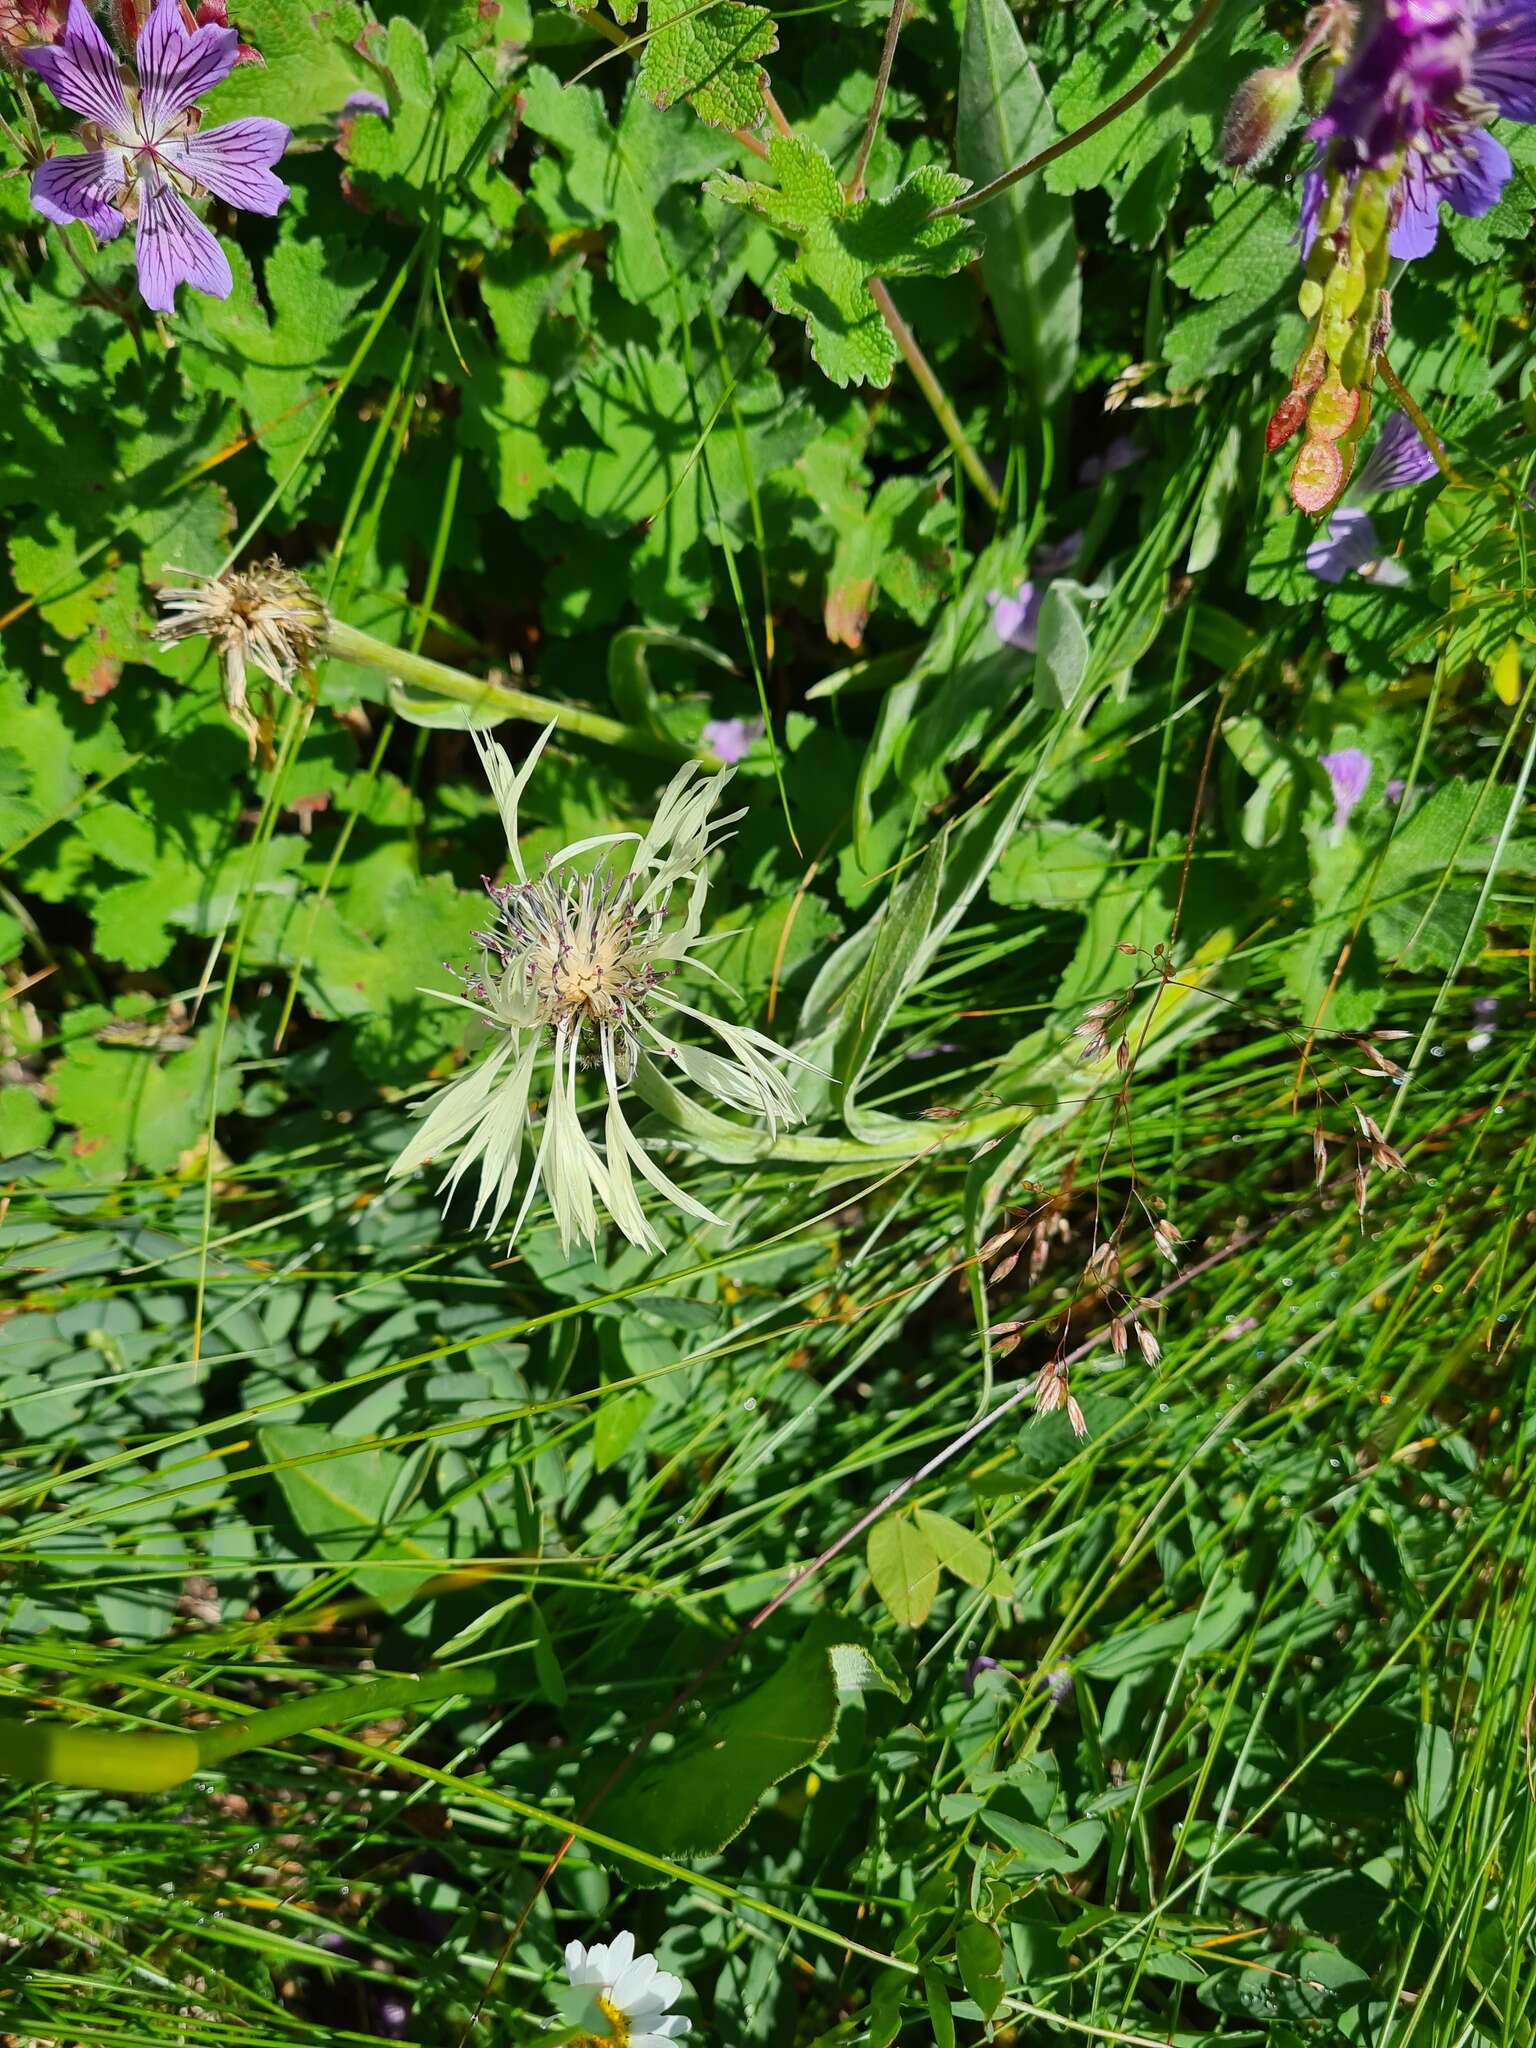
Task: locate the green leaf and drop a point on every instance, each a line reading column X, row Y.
column 1029, row 263
column 901, row 947
column 615, row 1425
column 24, row 1123
column 1042, row 1850
column 842, row 245
column 979, row 1955
column 346, row 1501
column 959, row 1550
column 310, row 63
column 436, row 154
column 1061, row 652
column 697, row 1796
column 709, row 56
column 905, row 1568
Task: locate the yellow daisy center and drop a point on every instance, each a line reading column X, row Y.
column 617, row 2035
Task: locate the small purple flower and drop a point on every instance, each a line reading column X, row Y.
column 729, row 739
column 147, row 153
column 1349, row 542
column 1016, row 618
column 1422, row 82
column 1485, row 1009
column 1399, row 458
column 1393, row 793
column 1348, row 771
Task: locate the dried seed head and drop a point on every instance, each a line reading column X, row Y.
column 1049, row 1390
column 1167, row 1240
column 1103, row 1262
column 996, row 1242
column 1319, row 1153
column 1000, row 1273
column 1386, row 1156
column 1119, row 1337
column 1075, row 1417
column 266, row 618
column 1151, row 1350
column 1361, row 1175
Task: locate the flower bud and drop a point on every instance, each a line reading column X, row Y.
column 1262, row 110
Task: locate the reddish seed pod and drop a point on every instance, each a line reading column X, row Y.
column 1288, row 418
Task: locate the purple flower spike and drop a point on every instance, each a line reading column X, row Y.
column 1349, row 543
column 153, row 155
column 1398, row 459
column 1349, row 772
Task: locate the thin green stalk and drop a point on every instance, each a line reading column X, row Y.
column 498, row 700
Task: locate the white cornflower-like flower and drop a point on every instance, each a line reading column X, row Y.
column 580, row 965
column 627, row 1996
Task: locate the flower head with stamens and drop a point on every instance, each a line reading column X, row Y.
column 265, row 617
column 621, row 1998
column 146, row 152
column 580, row 965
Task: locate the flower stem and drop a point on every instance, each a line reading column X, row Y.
column 154, row 1759
column 1066, row 143
column 855, row 185
column 347, row 643
column 934, row 392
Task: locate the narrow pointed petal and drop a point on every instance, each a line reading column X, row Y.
column 81, row 72
column 452, row 1111
column 234, row 162
column 508, row 783
column 172, row 247
column 177, row 65
column 86, row 187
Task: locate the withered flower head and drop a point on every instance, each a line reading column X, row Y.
column 265, row 617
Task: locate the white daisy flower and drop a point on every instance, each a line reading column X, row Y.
column 629, row 1996
column 580, row 966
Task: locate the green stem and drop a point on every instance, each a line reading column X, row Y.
column 1159, row 71
column 928, row 383
column 347, row 643
column 154, row 1759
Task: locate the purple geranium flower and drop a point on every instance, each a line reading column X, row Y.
column 147, row 153
column 1423, row 80
column 1398, row 459
column 1349, row 773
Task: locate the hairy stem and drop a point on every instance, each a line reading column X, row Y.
column 349, row 644
column 1067, row 143
column 855, row 185
column 933, row 391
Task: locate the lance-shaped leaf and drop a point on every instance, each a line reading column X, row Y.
column 843, row 244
